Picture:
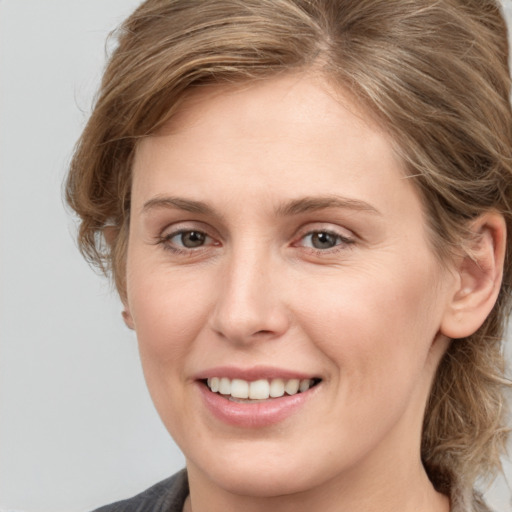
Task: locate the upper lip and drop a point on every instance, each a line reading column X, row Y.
column 253, row 373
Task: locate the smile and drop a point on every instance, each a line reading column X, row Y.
column 256, row 397
column 257, row 390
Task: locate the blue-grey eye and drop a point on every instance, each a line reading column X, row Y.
column 324, row 240
column 189, row 239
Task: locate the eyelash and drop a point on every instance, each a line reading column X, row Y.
column 165, row 241
column 342, row 242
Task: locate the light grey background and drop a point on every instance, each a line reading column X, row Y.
column 77, row 428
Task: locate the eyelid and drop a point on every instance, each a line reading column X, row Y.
column 174, row 234
column 343, row 239
column 165, row 236
column 181, row 226
column 345, row 236
column 326, row 227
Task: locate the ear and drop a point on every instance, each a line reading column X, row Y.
column 479, row 274
column 110, row 234
column 127, row 317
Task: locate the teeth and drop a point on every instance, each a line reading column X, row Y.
column 225, row 386
column 262, row 389
column 292, row 386
column 304, row 385
column 239, row 388
column 259, row 389
column 276, row 388
column 213, row 384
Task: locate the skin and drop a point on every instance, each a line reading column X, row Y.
column 368, row 315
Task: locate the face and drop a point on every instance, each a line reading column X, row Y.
column 284, row 293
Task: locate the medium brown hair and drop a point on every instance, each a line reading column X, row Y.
column 433, row 72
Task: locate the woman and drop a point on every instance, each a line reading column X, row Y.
column 304, row 206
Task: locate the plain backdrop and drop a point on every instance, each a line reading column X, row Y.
column 77, row 427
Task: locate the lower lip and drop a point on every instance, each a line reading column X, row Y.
column 253, row 415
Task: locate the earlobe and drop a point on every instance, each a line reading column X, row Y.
column 128, row 319
column 479, row 274
column 110, row 234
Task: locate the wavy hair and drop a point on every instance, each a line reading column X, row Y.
column 435, row 75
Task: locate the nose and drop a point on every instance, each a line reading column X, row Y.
column 250, row 302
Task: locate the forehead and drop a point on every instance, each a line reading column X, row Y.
column 284, row 137
column 298, row 100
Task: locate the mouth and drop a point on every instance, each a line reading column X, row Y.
column 257, row 391
column 256, row 397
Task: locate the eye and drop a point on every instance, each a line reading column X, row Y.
column 323, row 240
column 189, row 239
column 185, row 240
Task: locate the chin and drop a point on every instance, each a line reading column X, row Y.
column 262, row 482
column 263, row 471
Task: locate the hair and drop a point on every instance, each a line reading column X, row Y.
column 435, row 75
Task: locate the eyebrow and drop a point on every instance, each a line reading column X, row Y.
column 178, row 203
column 313, row 203
column 293, row 207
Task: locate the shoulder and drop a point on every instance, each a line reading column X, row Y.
column 166, row 496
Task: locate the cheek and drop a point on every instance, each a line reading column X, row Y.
column 376, row 327
column 168, row 311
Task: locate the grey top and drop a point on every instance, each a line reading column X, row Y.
column 167, row 496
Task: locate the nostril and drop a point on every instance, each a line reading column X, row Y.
column 239, row 321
